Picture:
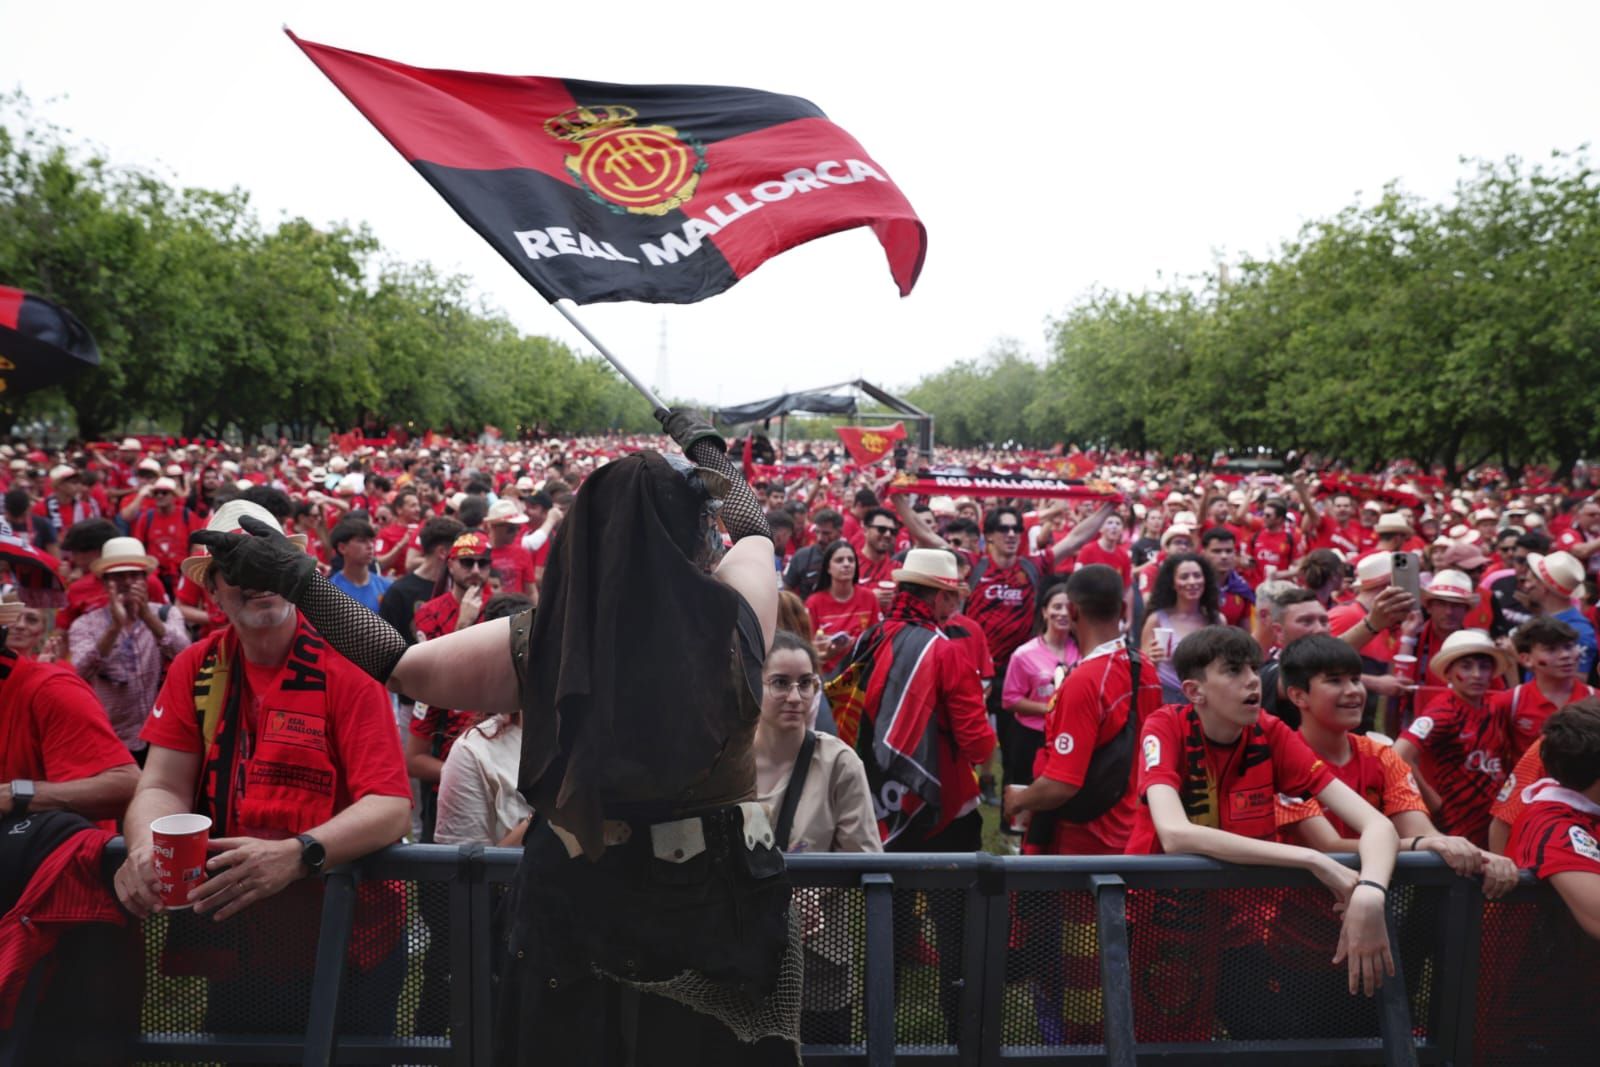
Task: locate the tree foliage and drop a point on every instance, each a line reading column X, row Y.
column 209, row 321
column 1452, row 333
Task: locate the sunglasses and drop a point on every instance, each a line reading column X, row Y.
column 470, row 563
column 884, row 529
column 1006, row 528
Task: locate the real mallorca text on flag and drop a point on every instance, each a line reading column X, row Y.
column 662, row 193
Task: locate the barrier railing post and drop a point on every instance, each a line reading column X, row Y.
column 988, row 935
column 1116, row 975
column 1394, row 1009
column 880, row 968
column 1465, row 1022
column 1458, row 926
column 327, row 981
column 466, row 985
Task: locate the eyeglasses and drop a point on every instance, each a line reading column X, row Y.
column 482, row 564
column 884, row 529
column 807, row 684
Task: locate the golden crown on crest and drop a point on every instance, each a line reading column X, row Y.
column 581, row 123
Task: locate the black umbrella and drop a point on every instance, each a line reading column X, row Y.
column 41, row 343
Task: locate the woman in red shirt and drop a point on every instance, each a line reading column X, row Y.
column 842, row 610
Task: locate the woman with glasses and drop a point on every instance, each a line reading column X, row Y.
column 832, row 813
column 840, row 609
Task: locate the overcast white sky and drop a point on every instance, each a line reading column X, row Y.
column 1049, row 147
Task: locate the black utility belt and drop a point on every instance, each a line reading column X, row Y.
column 681, row 840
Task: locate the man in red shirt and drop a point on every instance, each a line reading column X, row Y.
column 1087, row 724
column 1582, row 538
column 290, row 750
column 434, row 729
column 1272, row 548
column 163, row 527
column 1107, row 549
column 875, row 554
column 396, row 538
column 57, row 749
column 512, row 562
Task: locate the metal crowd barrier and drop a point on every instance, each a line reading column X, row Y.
column 928, row 959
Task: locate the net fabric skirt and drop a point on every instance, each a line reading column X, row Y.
column 636, row 959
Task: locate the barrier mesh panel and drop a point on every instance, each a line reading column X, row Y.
column 834, row 932
column 1536, row 996
column 928, row 975
column 1240, row 965
column 397, row 972
column 248, row 975
column 1052, row 995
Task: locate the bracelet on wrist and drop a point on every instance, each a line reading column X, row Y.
column 1373, row 885
column 1414, row 842
column 1371, row 629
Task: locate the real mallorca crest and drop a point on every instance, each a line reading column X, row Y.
column 873, row 441
column 641, row 170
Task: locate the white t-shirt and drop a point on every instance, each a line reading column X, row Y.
column 478, row 798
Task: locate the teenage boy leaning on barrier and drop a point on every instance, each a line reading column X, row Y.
column 1323, row 676
column 1211, row 773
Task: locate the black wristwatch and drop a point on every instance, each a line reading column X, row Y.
column 312, row 854
column 22, row 793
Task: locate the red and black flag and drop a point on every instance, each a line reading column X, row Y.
column 659, row 193
column 41, row 343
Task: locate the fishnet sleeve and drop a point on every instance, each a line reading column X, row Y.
column 742, row 514
column 357, row 633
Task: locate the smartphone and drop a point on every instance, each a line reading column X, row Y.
column 1406, row 573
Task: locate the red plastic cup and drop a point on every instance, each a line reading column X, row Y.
column 178, row 846
column 1405, row 668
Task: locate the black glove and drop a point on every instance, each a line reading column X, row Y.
column 688, row 427
column 265, row 559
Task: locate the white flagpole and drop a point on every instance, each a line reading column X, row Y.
column 644, row 390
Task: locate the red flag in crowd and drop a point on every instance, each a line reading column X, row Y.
column 867, row 446
column 661, row 193
column 41, row 343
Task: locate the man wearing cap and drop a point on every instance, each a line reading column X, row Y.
column 908, row 694
column 123, row 648
column 1551, row 583
column 163, row 526
column 290, row 750
column 1445, row 603
column 69, row 502
column 82, row 546
column 1393, row 532
column 1460, row 748
column 433, row 729
column 512, row 562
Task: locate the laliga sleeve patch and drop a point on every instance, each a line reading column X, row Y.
column 1064, row 744
column 419, row 711
column 1583, row 843
column 1507, row 789
column 1152, row 751
column 1422, row 727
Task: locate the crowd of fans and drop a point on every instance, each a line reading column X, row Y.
column 1291, row 693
